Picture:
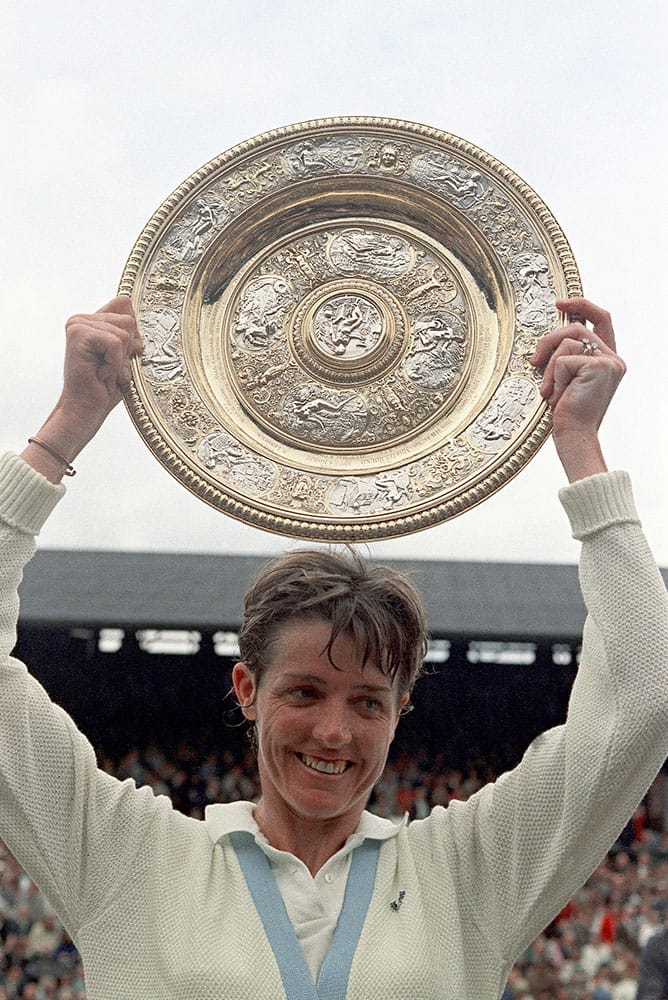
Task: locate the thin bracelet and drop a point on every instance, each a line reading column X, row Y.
column 69, row 469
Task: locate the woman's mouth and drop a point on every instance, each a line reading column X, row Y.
column 324, row 766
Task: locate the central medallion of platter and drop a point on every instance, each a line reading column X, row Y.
column 347, row 327
column 348, row 332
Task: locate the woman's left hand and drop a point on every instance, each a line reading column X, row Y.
column 581, row 373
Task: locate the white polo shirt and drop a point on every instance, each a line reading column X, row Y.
column 313, row 903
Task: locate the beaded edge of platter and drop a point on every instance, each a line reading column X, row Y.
column 233, row 469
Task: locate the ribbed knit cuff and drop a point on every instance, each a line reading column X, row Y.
column 26, row 496
column 598, row 502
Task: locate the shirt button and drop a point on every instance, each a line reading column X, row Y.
column 329, row 878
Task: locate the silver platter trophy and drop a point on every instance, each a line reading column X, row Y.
column 337, row 319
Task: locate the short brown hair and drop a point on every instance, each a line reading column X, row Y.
column 379, row 607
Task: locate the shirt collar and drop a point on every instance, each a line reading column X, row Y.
column 224, row 818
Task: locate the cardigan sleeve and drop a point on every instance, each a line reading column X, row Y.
column 523, row 845
column 74, row 828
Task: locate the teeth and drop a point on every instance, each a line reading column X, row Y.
column 325, row 766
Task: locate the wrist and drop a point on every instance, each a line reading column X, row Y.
column 45, row 460
column 68, row 468
column 54, row 447
column 580, row 453
column 68, row 430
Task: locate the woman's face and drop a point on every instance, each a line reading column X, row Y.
column 323, row 733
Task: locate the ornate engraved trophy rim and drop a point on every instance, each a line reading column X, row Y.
column 213, row 456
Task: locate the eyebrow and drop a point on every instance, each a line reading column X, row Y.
column 314, row 679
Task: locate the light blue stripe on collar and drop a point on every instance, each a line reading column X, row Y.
column 335, row 971
column 297, row 980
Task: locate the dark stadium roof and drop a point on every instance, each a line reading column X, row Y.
column 125, row 589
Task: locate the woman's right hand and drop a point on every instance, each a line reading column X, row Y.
column 99, row 348
column 97, row 360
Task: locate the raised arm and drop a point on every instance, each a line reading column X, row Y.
column 518, row 849
column 581, row 373
column 72, row 827
column 98, row 350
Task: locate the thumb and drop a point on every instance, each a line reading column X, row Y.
column 121, row 304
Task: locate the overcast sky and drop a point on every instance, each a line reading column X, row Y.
column 106, row 108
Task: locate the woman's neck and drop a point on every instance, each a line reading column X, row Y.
column 314, row 842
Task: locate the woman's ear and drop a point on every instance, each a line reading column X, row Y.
column 244, row 688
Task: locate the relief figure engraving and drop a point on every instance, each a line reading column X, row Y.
column 432, row 279
column 369, row 495
column 252, row 181
column 160, row 331
column 261, row 311
column 324, row 416
column 536, row 299
column 438, row 351
column 462, row 184
column 222, row 453
column 167, row 280
column 363, row 251
column 257, row 377
column 347, row 326
column 392, row 487
column 304, row 257
column 186, row 240
column 390, row 158
column 342, row 155
column 499, row 422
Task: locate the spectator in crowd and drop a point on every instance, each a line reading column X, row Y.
column 649, row 922
column 43, row 937
column 653, row 974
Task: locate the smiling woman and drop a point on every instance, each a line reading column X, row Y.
column 305, row 894
column 331, row 648
column 325, row 719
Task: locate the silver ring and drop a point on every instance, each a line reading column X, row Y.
column 589, row 347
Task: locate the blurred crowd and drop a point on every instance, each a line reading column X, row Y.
column 590, row 952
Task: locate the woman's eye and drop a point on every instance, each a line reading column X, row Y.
column 302, row 694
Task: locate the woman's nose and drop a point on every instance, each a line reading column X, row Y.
column 332, row 727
